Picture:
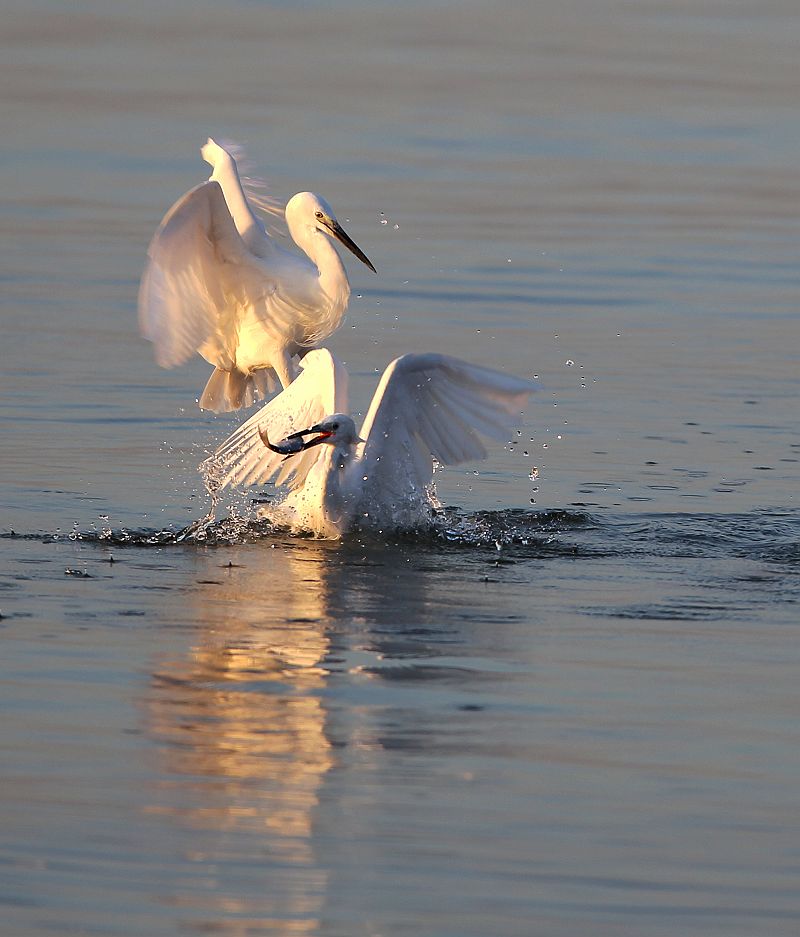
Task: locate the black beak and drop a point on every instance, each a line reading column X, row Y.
column 342, row 236
column 323, row 435
column 316, row 440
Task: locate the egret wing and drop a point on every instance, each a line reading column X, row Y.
column 433, row 407
column 198, row 266
column 319, row 390
column 256, row 190
column 242, row 193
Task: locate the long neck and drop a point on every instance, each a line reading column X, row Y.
column 332, row 274
column 338, row 496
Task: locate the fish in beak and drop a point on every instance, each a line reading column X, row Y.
column 294, row 442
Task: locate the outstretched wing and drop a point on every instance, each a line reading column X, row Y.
column 434, row 407
column 318, row 391
column 198, row 265
column 256, row 190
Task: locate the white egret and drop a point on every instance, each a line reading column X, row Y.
column 217, row 283
column 426, row 407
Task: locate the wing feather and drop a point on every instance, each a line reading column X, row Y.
column 318, row 391
column 197, row 263
column 482, row 417
column 434, row 406
column 254, row 188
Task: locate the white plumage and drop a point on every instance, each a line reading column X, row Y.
column 217, row 283
column 426, row 407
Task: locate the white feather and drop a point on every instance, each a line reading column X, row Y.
column 320, row 389
column 425, row 407
column 218, row 284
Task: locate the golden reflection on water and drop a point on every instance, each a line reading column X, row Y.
column 241, row 724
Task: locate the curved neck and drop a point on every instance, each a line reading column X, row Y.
column 337, row 496
column 332, row 274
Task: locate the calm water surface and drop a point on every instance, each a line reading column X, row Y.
column 572, row 708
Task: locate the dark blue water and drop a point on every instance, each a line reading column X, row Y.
column 262, row 730
column 571, row 706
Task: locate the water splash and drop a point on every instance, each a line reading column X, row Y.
column 768, row 537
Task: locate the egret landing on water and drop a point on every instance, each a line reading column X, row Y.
column 217, row 283
column 426, row 407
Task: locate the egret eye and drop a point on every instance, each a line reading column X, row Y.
column 319, row 215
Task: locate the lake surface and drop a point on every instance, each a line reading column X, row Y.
column 572, row 708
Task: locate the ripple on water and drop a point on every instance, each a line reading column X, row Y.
column 769, row 536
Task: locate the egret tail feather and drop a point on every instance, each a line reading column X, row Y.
column 232, row 390
column 224, row 391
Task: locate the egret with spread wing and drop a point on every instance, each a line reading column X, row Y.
column 216, row 282
column 426, row 407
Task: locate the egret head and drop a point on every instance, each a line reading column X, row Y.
column 309, row 210
column 335, row 430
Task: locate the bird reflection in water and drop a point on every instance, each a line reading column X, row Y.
column 241, row 723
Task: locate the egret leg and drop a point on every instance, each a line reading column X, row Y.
column 285, row 368
column 262, row 384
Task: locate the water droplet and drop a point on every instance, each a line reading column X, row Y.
column 525, row 453
column 544, row 445
column 397, row 227
column 569, row 362
column 384, row 221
